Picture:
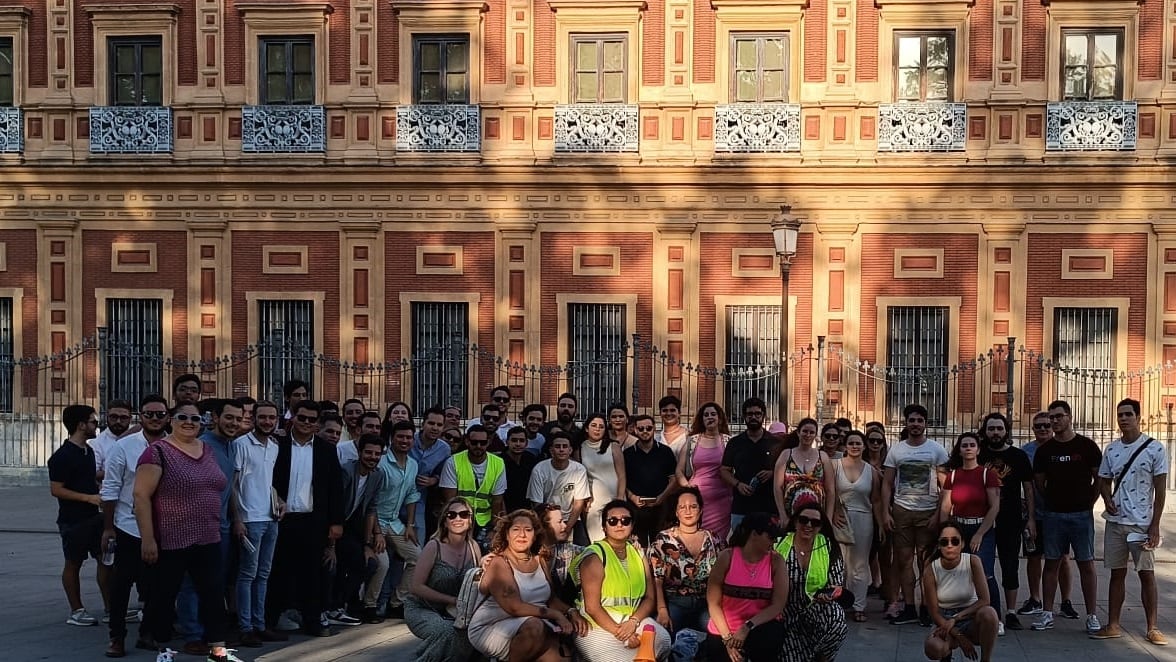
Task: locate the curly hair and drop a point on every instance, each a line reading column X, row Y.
column 539, row 545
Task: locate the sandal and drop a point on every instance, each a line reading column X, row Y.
column 859, row 616
column 1156, row 637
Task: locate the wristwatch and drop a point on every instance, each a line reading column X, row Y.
column 749, row 624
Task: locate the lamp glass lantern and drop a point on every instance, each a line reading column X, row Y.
column 785, row 230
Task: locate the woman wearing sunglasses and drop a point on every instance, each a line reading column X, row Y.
column 616, row 593
column 520, row 615
column 814, row 620
column 746, row 592
column 177, row 499
column 956, row 593
column 436, row 581
column 971, row 496
column 881, row 559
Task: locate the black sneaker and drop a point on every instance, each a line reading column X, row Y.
column 924, row 617
column 907, row 616
column 1067, row 610
column 1030, row 607
column 1012, row 622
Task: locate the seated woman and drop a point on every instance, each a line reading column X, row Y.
column 682, row 557
column 746, row 592
column 814, row 620
column 615, row 594
column 955, row 591
column 520, row 616
column 436, row 581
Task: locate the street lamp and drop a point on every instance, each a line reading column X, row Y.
column 785, row 229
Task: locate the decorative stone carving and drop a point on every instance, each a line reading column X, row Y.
column 596, row 127
column 922, row 127
column 1092, row 126
column 757, row 127
column 130, row 130
column 283, row 129
column 438, row 128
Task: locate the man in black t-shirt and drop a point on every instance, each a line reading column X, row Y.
column 73, row 481
column 747, row 464
column 649, row 478
column 565, row 422
column 1017, row 508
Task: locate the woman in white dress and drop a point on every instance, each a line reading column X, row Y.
column 606, row 471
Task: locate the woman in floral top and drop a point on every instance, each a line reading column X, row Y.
column 682, row 557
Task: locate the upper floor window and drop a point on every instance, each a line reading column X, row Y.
column 760, row 71
column 287, row 70
column 136, row 71
column 441, row 69
column 924, row 66
column 1092, row 65
column 6, row 72
column 599, row 68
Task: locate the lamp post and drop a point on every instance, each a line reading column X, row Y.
column 785, row 229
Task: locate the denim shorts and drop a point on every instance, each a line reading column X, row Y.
column 1069, row 531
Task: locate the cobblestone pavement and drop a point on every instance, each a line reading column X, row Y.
column 33, row 612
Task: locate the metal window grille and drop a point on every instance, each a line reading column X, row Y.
column 917, row 361
column 753, row 347
column 134, row 336
column 285, row 345
column 440, row 354
column 1084, row 348
column 7, row 355
column 597, row 353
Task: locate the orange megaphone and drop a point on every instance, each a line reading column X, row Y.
column 645, row 651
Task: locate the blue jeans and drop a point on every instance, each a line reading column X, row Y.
column 987, row 554
column 253, row 574
column 687, row 613
column 1069, row 531
column 187, row 606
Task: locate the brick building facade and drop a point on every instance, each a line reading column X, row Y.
column 508, row 173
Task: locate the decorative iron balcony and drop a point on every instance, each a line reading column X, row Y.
column 922, row 127
column 438, row 128
column 130, row 130
column 757, row 127
column 596, row 127
column 11, row 130
column 272, row 129
column 1091, row 126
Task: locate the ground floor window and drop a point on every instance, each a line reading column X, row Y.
column 285, row 345
column 1084, row 349
column 440, row 354
column 597, row 354
column 753, row 346
column 134, row 360
column 917, row 361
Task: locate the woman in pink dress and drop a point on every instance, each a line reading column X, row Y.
column 699, row 466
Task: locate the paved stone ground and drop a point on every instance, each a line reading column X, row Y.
column 33, row 612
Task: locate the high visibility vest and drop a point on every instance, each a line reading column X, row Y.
column 478, row 495
column 624, row 584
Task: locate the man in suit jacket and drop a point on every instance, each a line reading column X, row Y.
column 308, row 480
column 360, row 550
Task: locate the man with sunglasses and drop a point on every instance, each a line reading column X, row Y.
column 831, row 438
column 1066, row 470
column 490, row 417
column 118, row 425
column 649, row 478
column 479, row 478
column 499, row 426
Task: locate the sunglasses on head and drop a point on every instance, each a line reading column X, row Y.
column 159, row 415
column 456, row 514
column 950, row 542
column 306, row 419
column 184, row 418
column 619, row 521
column 805, row 520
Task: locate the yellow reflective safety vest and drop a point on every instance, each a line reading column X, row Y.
column 624, row 583
column 468, row 487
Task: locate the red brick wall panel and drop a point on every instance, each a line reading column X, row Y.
column 234, row 44
column 636, row 278
column 1033, row 22
column 980, row 34
column 867, row 42
column 704, row 42
column 1151, row 40
column 543, row 24
column 653, row 43
column 495, row 44
column 186, row 43
column 388, row 38
column 816, row 29
column 339, row 25
column 38, row 49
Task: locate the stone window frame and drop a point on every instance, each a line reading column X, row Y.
column 439, row 17
column 922, row 35
column 167, row 296
column 733, row 17
column 598, row 17
column 899, row 17
column 266, row 19
column 1065, row 15
column 1090, row 33
column 140, row 20
column 742, row 35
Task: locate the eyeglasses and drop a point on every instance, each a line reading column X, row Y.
column 950, row 542
column 1041, row 426
column 501, row 399
column 456, row 514
column 619, row 521
column 453, row 437
column 158, row 415
column 808, row 521
column 644, row 428
column 306, row 419
column 186, row 418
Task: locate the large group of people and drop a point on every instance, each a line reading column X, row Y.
column 240, row 520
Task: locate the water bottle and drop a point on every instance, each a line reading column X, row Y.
column 108, row 553
column 1028, row 541
column 754, row 483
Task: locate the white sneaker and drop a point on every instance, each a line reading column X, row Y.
column 131, row 617
column 166, row 655
column 81, row 617
column 1000, row 629
column 1043, row 622
column 285, row 624
column 1092, row 624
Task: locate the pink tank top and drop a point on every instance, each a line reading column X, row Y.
column 747, row 590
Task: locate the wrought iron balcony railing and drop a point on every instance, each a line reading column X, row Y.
column 922, row 127
column 757, row 127
column 130, row 130
column 11, row 130
column 596, row 127
column 275, row 129
column 438, row 128
column 1091, row 126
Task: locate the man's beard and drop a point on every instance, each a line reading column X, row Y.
column 996, row 442
column 564, row 418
